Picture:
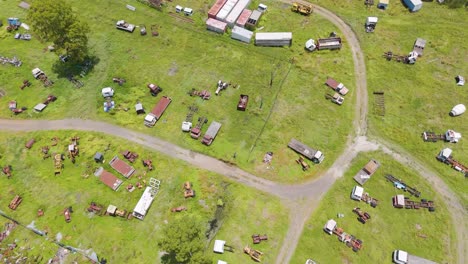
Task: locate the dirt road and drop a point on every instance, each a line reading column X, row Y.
column 304, row 198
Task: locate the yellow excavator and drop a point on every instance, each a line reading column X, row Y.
column 302, row 9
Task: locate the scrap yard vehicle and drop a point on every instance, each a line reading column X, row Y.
column 211, row 133
column 371, row 22
column 40, row 75
column 315, row 156
column 158, row 110
column 253, row 253
column 302, row 9
column 335, row 98
column 350, row 240
column 331, row 43
column 336, row 86
column 196, row 131
column 242, row 104
column 402, row 186
column 400, row 201
column 125, row 26
column 449, row 136
column 445, row 156
column 154, row 89
column 363, row 217
column 402, row 257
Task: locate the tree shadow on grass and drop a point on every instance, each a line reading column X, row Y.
column 70, row 68
column 169, row 258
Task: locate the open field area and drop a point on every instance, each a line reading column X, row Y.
column 187, row 56
column 418, row 97
column 418, row 232
column 114, row 238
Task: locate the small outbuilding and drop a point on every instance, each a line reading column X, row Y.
column 253, row 20
column 99, row 157
column 219, row 246
column 383, row 4
column 216, row 25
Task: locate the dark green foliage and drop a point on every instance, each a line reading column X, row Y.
column 184, row 241
column 456, row 3
column 54, row 21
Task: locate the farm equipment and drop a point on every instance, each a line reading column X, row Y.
column 112, row 210
column 370, row 200
column 40, row 75
column 363, row 217
column 119, row 81
column 303, row 163
column 408, row 59
column 30, row 143
column 242, row 104
column 45, row 152
column 402, row 186
column 335, row 98
column 302, row 9
column 26, row 83
column 58, row 163
column 154, row 89
column 148, row 163
column 221, row 86
column 142, row 30
column 94, row 208
column 400, row 201
column 196, row 131
column 13, row 24
column 15, row 202
column 130, row 156
column 12, row 105
column 73, row 149
column 14, row 61
column 7, row 171
column 77, row 83
column 268, row 157
column 445, row 156
column 67, row 214
column 188, row 191
column 50, row 98
column 204, row 94
column 178, row 209
column 257, row 238
column 449, row 136
column 253, row 253
column 187, row 123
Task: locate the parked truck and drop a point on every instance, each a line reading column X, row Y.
column 314, row 155
column 211, row 133
column 158, row 110
column 325, row 43
column 402, row 257
column 445, row 156
column 336, row 86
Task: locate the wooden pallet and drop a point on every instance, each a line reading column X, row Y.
column 379, row 103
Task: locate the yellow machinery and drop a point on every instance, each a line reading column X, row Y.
column 301, row 8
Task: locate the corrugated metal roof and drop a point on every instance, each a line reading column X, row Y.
column 273, row 36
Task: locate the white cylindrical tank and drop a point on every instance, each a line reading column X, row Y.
column 458, row 110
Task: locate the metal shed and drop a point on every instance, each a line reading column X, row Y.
column 241, row 34
column 244, row 16
column 252, row 22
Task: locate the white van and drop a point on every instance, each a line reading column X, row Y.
column 357, row 193
column 178, row 9
column 188, row 11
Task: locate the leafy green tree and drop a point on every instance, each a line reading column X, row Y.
column 184, row 241
column 54, row 21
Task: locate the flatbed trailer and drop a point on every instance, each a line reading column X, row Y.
column 401, row 185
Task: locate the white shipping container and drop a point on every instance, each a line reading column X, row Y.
column 224, row 12
column 236, row 11
column 241, row 34
column 273, row 39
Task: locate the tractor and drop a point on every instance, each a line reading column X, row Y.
column 253, row 253
column 302, row 9
column 303, row 163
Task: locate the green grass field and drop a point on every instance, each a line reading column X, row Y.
column 419, row 232
column 116, row 239
column 187, row 56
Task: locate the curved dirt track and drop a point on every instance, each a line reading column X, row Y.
column 302, row 199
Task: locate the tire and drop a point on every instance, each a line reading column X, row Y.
column 367, row 215
column 431, row 209
column 424, row 200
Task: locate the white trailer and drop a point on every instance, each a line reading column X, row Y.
column 236, row 11
column 241, row 34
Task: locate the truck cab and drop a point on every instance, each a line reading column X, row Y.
column 400, row 257
column 318, row 157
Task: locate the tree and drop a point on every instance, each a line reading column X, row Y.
column 54, row 21
column 184, row 241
